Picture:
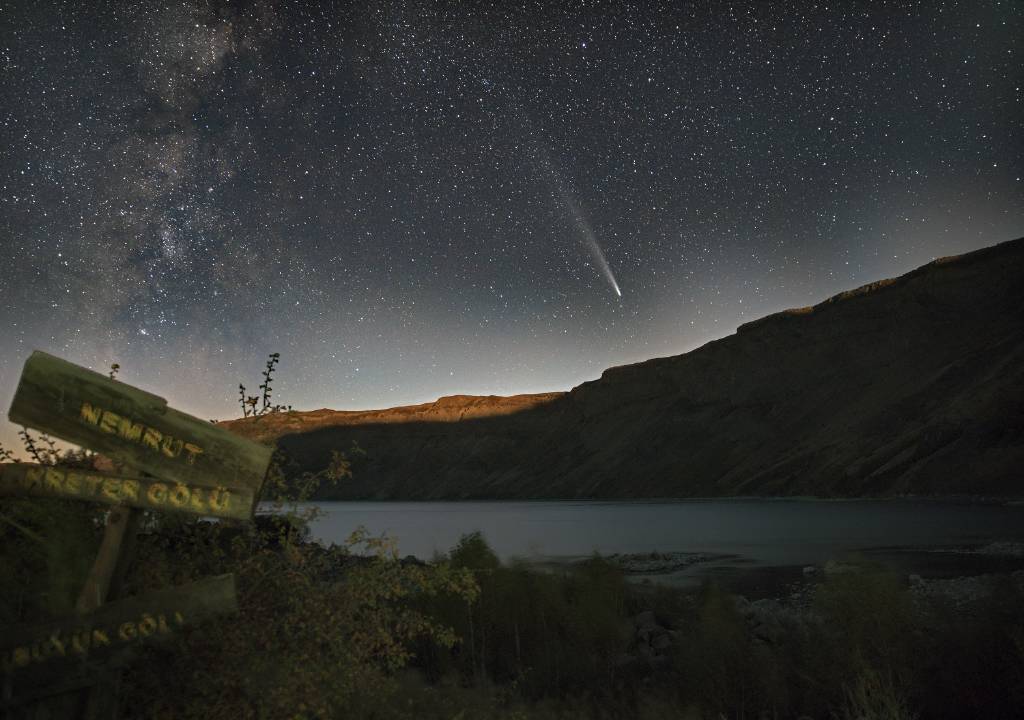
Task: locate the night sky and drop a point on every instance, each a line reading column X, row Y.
column 409, row 200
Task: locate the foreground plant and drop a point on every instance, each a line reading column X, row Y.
column 319, row 632
column 259, row 405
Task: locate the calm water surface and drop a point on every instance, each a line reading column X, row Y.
column 752, row 532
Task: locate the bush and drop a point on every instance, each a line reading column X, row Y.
column 545, row 634
column 716, row 661
column 303, row 645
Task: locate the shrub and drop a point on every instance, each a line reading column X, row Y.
column 318, row 633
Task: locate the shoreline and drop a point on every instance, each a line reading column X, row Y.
column 687, row 571
column 986, row 500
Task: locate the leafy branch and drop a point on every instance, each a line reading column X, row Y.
column 286, row 485
column 258, row 405
column 265, row 387
column 42, row 449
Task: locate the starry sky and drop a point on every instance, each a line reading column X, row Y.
column 414, row 199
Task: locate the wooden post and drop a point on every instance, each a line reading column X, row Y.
column 98, row 700
column 104, row 583
column 175, row 462
column 122, row 523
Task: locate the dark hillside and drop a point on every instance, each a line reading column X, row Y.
column 909, row 385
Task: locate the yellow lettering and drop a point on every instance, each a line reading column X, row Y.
column 171, row 447
column 126, row 631
column 57, row 645
column 92, row 483
column 21, row 656
column 99, row 637
column 111, row 488
column 151, row 438
column 147, row 625
column 130, row 430
column 54, row 480
column 34, row 476
column 90, row 414
column 192, row 451
column 77, row 645
column 109, row 421
column 179, row 495
column 73, row 482
column 130, row 490
column 196, row 501
column 157, row 493
column 220, row 498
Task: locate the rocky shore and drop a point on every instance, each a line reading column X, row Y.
column 769, row 621
column 963, row 593
column 1002, row 548
column 658, row 563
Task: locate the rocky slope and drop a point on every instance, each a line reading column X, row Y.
column 909, row 385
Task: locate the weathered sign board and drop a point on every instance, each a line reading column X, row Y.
column 118, row 625
column 134, row 427
column 148, row 493
column 173, row 462
column 73, row 650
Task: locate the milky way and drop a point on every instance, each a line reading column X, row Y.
column 187, row 187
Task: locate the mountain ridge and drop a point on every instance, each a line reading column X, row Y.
column 907, row 385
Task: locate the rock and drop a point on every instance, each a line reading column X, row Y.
column 650, row 639
column 1003, row 548
column 810, row 570
column 645, row 620
column 914, row 580
column 656, row 563
column 769, row 621
column 964, row 592
column 770, row 631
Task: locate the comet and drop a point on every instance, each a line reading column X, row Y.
column 583, row 226
column 589, row 238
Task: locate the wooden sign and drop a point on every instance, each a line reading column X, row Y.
column 113, row 489
column 177, row 462
column 134, row 427
column 118, row 625
column 75, row 646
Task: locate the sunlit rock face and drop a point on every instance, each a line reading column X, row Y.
column 908, row 385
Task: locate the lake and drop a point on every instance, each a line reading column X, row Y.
column 926, row 536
